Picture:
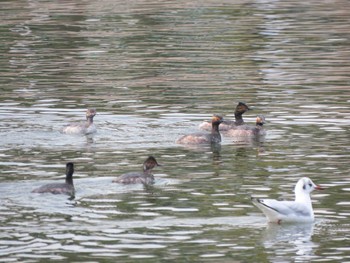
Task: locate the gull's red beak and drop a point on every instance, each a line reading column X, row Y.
column 319, row 187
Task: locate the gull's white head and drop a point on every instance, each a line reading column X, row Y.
column 305, row 185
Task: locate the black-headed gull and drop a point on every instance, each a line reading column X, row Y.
column 299, row 210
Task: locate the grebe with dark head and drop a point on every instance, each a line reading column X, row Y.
column 145, row 177
column 204, row 138
column 240, row 109
column 60, row 188
column 87, row 127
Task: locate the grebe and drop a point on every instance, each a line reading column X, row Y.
column 60, row 188
column 87, row 127
column 145, row 177
column 241, row 108
column 248, row 130
column 200, row 138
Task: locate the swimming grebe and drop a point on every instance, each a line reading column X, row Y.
column 299, row 210
column 87, row 127
column 200, row 138
column 241, row 108
column 60, row 188
column 146, row 177
column 248, row 130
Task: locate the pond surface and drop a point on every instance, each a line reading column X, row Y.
column 154, row 70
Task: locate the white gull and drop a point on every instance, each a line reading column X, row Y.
column 299, row 210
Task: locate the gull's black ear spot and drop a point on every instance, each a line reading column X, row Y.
column 304, row 186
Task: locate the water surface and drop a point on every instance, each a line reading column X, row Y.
column 154, row 71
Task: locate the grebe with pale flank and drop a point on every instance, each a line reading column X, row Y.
column 204, row 138
column 248, row 130
column 87, row 127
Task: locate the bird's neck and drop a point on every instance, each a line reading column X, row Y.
column 147, row 172
column 69, row 178
column 303, row 198
column 216, row 137
column 259, row 126
column 215, row 128
column 90, row 120
column 238, row 118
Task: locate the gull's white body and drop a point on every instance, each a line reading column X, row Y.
column 299, row 210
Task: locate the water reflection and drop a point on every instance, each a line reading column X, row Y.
column 281, row 240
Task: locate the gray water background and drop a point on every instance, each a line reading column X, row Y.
column 154, row 70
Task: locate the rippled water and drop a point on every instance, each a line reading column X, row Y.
column 154, row 71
